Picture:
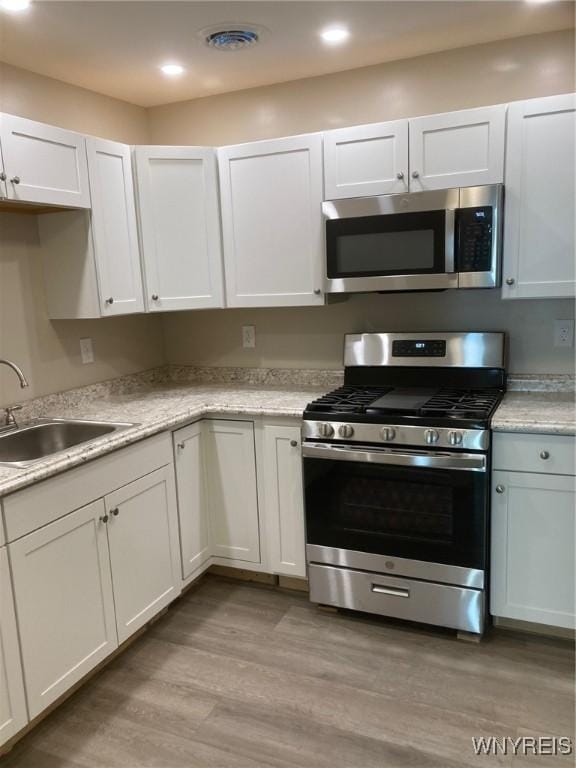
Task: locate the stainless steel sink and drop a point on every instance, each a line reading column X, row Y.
column 33, row 442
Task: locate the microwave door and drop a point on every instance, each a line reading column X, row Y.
column 400, row 251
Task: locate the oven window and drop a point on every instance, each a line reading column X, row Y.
column 435, row 515
column 390, row 244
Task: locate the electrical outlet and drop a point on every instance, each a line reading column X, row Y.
column 86, row 351
column 248, row 336
column 564, row 333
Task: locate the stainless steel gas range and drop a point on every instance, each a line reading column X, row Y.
column 396, row 471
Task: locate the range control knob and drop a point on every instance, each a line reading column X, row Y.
column 387, row 434
column 325, row 430
column 431, row 436
column 455, row 438
column 345, row 430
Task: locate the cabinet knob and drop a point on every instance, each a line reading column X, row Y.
column 544, row 455
column 3, row 176
column 317, row 291
column 110, row 300
column 15, row 179
column 181, row 446
column 294, row 443
column 115, row 511
column 154, row 297
column 510, row 281
column 400, row 175
column 104, row 519
column 499, row 489
column 415, row 174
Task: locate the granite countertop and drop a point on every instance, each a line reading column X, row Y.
column 156, row 408
column 552, row 413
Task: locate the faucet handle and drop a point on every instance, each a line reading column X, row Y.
column 9, row 411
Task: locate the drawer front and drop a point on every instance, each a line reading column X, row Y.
column 550, row 454
column 421, row 601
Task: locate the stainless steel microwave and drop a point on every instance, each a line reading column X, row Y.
column 415, row 242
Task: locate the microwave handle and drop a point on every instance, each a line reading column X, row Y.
column 450, row 240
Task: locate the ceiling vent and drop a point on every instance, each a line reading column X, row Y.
column 232, row 37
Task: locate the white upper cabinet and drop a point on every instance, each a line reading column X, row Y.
column 180, row 227
column 13, row 715
column 43, row 164
column 539, row 217
column 272, row 222
column 457, row 149
column 114, row 227
column 366, row 160
column 231, row 490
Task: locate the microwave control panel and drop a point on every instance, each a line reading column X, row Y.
column 474, row 246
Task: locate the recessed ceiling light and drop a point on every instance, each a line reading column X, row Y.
column 172, row 70
column 335, row 35
column 15, row 5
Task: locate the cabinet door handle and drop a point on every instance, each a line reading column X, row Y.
column 415, row 174
column 400, row 175
column 154, row 297
column 294, row 443
column 115, row 511
column 104, row 519
column 317, row 291
column 544, row 455
column 15, row 179
column 499, row 489
column 3, row 176
column 510, row 281
column 110, row 300
column 181, row 446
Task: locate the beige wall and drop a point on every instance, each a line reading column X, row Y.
column 520, row 68
column 485, row 74
column 49, row 351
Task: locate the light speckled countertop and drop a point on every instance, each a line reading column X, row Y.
column 156, row 408
column 552, row 413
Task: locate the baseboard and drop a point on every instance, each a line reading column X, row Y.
column 530, row 627
column 243, row 574
column 293, row 582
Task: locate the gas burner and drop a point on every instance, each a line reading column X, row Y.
column 347, row 399
column 466, row 403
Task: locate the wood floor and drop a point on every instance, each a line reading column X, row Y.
column 238, row 675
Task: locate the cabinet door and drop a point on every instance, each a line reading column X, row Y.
column 533, row 547
column 44, row 164
column 180, row 227
column 457, row 149
column 366, row 160
column 143, row 540
column 539, row 216
column 284, row 499
column 190, row 484
column 13, row 715
column 231, row 490
column 64, row 603
column 272, row 222
column 114, row 228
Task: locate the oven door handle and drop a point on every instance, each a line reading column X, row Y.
column 425, row 459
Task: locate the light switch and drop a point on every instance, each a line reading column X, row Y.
column 86, row 351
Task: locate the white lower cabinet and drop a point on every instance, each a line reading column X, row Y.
column 189, row 445
column 13, row 714
column 533, row 527
column 232, row 499
column 143, row 542
column 64, row 602
column 284, row 500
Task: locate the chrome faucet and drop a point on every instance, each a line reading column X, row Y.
column 9, row 420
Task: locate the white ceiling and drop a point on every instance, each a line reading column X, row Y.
column 116, row 48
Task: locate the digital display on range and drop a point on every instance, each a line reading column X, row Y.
column 418, row 348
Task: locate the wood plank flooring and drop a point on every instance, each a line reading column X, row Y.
column 238, row 675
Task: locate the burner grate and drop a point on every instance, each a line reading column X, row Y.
column 461, row 402
column 347, row 399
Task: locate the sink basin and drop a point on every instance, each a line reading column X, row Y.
column 25, row 445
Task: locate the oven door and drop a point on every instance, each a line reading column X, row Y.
column 391, row 243
column 421, row 506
